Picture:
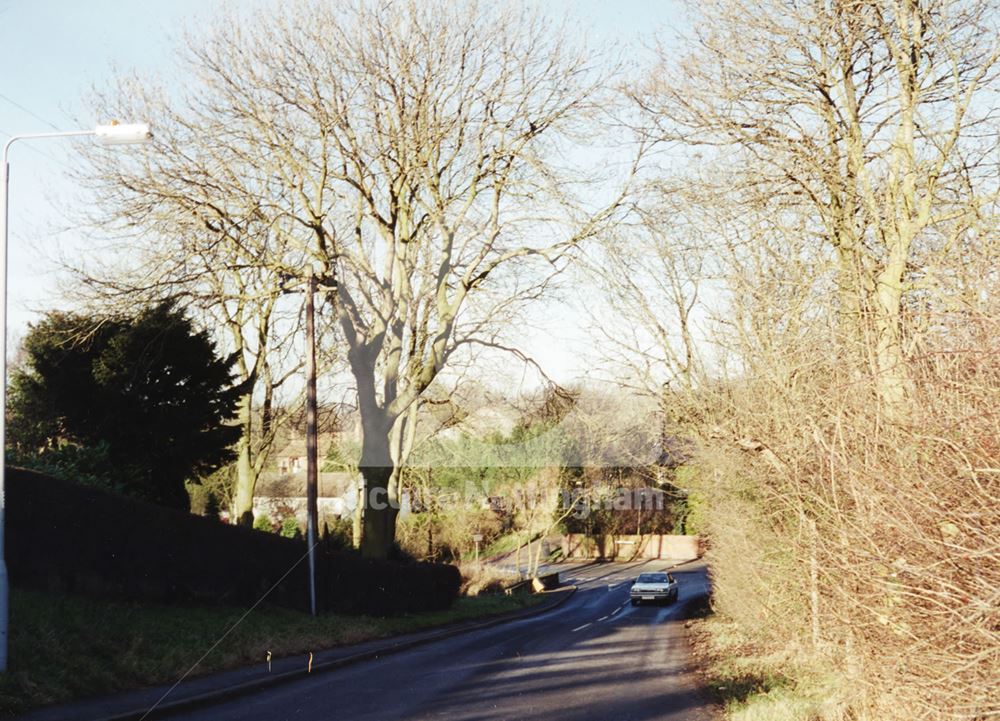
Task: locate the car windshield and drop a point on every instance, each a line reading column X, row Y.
column 652, row 578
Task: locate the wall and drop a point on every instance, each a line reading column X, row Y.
column 627, row 547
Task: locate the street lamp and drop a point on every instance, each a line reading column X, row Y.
column 110, row 134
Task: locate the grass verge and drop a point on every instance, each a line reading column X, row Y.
column 752, row 685
column 66, row 647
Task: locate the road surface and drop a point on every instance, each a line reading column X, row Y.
column 594, row 657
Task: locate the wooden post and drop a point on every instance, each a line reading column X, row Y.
column 312, row 459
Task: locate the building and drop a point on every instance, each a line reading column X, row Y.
column 292, row 458
column 283, row 494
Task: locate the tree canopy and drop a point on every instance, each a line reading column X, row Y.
column 148, row 391
column 413, row 153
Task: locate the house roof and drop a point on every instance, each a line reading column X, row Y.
column 296, row 448
column 293, row 485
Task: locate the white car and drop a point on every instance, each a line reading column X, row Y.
column 653, row 587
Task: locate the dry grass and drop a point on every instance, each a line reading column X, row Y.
column 481, row 579
column 753, row 686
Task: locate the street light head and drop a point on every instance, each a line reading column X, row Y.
column 119, row 134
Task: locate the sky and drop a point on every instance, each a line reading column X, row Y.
column 53, row 51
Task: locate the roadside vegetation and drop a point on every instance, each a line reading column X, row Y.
column 94, row 394
column 754, row 686
column 834, row 239
column 68, row 647
column 785, row 232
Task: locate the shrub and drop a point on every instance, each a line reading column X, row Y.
column 62, row 536
column 263, row 523
column 337, row 534
column 446, row 534
column 478, row 580
column 88, row 466
column 863, row 543
column 290, row 528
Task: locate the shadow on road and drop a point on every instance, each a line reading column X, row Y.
column 634, row 665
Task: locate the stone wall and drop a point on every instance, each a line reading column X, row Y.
column 627, row 547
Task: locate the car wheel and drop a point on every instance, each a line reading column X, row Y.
column 635, row 601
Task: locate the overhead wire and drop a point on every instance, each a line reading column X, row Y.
column 34, row 149
column 30, row 112
column 38, row 117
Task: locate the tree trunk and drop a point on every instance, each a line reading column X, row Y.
column 358, row 517
column 384, row 449
column 893, row 383
column 246, row 475
column 538, row 555
column 378, row 525
column 379, row 505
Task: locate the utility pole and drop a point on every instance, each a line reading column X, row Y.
column 312, row 454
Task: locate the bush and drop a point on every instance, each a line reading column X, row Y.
column 85, row 465
column 263, row 523
column 447, row 534
column 337, row 534
column 863, row 543
column 290, row 528
column 204, row 500
column 65, row 537
column 479, row 580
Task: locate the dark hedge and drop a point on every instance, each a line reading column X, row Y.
column 70, row 538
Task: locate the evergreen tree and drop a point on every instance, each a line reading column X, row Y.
column 149, row 389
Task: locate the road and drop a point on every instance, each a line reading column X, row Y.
column 594, row 657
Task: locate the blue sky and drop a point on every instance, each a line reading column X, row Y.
column 53, row 51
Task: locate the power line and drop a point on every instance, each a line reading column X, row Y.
column 33, row 114
column 34, row 149
column 38, row 117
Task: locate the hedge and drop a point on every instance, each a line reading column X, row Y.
column 70, row 538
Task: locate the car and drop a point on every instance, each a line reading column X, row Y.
column 653, row 587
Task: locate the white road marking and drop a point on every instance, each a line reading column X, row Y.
column 602, row 618
column 580, row 628
column 623, row 612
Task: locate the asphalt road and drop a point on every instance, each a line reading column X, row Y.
column 594, row 657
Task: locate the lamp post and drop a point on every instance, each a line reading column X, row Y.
column 111, row 134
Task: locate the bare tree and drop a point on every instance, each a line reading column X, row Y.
column 873, row 118
column 186, row 222
column 414, row 153
column 846, row 203
column 653, row 273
